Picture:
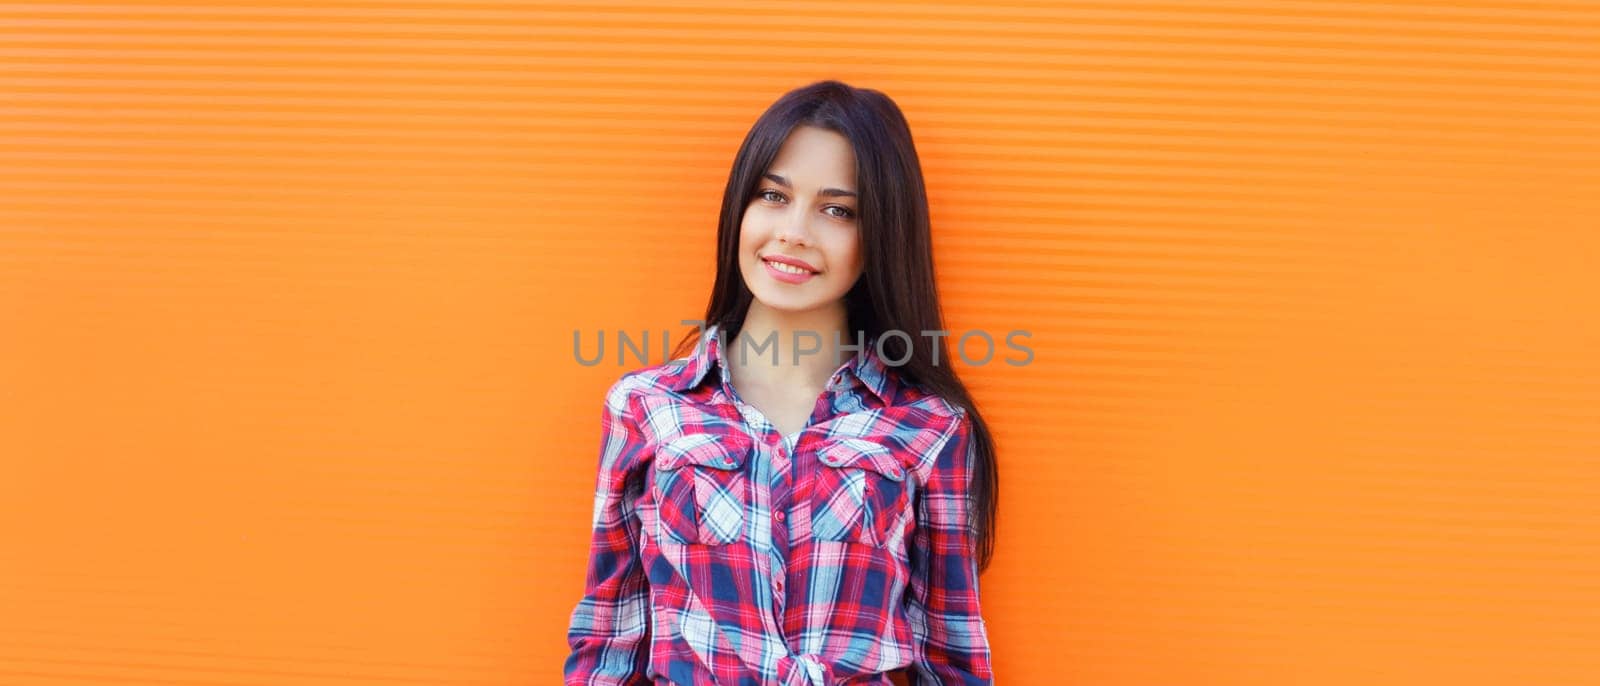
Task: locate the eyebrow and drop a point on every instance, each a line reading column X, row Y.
column 830, row 192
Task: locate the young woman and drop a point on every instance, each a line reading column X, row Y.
column 808, row 496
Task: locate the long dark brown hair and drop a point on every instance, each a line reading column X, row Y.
column 896, row 291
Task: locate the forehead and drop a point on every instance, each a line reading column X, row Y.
column 815, row 155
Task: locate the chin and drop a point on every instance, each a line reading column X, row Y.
column 786, row 304
column 779, row 304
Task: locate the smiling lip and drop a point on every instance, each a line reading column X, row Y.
column 791, row 262
column 786, row 277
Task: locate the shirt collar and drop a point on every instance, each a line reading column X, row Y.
column 866, row 366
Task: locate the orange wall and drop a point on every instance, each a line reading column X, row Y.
column 287, row 293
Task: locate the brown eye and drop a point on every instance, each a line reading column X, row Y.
column 844, row 212
column 770, row 195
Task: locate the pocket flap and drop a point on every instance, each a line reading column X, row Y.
column 860, row 452
column 717, row 451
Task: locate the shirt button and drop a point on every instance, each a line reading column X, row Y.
column 779, row 517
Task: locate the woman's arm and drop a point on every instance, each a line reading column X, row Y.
column 952, row 642
column 609, row 635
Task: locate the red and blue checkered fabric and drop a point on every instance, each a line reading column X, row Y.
column 725, row 553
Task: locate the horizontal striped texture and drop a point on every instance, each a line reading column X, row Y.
column 288, row 294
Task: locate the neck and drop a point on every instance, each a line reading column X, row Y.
column 787, row 332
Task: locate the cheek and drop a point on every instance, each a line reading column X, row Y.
column 746, row 243
column 749, row 233
column 852, row 248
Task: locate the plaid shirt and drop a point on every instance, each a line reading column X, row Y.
column 724, row 553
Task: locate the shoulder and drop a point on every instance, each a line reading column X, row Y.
column 936, row 410
column 659, row 381
column 664, row 401
column 631, row 419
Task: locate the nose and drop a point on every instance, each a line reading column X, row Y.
column 794, row 231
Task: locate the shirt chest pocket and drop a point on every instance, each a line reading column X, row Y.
column 701, row 488
column 858, row 493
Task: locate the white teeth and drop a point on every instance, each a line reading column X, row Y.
column 787, row 268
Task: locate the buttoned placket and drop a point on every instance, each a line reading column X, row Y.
column 773, row 467
column 782, row 481
column 779, row 483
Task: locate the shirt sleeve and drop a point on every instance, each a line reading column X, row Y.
column 609, row 634
column 952, row 643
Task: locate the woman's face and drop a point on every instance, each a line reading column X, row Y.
column 799, row 247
